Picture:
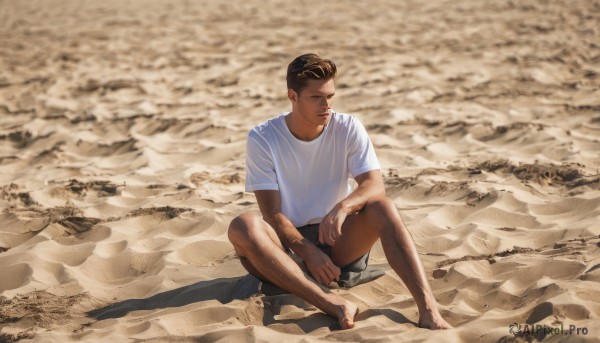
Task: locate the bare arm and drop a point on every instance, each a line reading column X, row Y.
column 370, row 184
column 319, row 264
column 269, row 202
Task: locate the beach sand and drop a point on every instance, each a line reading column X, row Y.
column 122, row 158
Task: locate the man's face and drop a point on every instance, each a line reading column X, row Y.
column 314, row 102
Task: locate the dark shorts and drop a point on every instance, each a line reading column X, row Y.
column 355, row 273
column 350, row 274
column 311, row 232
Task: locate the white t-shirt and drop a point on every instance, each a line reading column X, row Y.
column 312, row 177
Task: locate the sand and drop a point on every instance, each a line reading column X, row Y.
column 122, row 146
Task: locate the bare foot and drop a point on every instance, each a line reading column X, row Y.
column 344, row 311
column 346, row 315
column 433, row 321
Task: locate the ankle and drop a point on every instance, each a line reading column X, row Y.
column 428, row 306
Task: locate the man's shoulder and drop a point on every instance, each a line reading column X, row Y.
column 345, row 121
column 266, row 128
column 344, row 118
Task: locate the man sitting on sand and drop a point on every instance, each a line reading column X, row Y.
column 299, row 166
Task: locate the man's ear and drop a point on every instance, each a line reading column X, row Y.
column 292, row 95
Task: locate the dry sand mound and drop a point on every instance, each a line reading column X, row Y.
column 122, row 146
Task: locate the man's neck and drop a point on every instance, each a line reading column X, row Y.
column 302, row 129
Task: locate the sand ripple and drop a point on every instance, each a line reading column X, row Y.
column 122, row 146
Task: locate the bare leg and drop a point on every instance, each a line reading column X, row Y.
column 380, row 218
column 256, row 241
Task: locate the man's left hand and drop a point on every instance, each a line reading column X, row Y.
column 330, row 228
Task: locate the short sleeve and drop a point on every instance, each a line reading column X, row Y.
column 361, row 153
column 260, row 169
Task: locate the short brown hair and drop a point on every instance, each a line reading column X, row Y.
column 309, row 67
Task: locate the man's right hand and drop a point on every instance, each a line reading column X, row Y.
column 321, row 267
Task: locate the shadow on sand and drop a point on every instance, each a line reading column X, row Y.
column 223, row 290
column 226, row 290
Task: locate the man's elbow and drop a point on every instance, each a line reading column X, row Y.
column 377, row 189
column 380, row 192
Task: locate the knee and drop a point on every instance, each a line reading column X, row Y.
column 381, row 209
column 381, row 203
column 241, row 227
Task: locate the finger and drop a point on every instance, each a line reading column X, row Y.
column 335, row 270
column 331, row 239
column 323, row 234
column 325, row 278
column 316, row 275
column 330, row 275
column 319, row 279
column 338, row 231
